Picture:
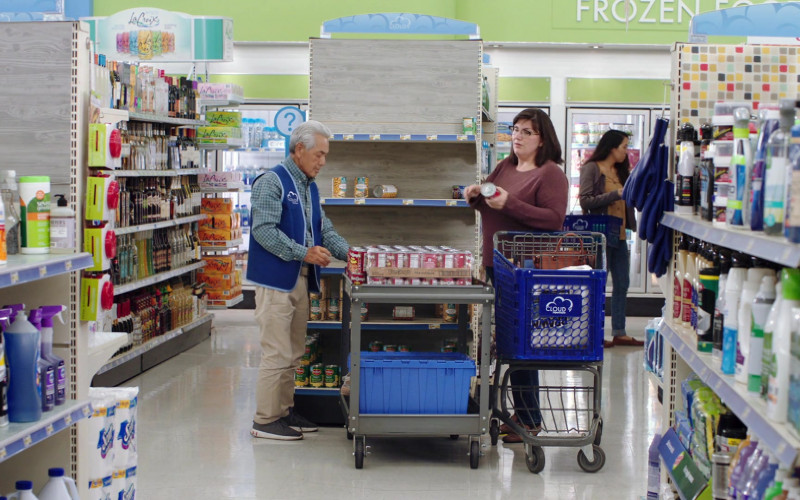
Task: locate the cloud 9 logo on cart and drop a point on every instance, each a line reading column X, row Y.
column 559, row 305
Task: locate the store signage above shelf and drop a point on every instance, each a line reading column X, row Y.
column 149, row 34
column 399, row 23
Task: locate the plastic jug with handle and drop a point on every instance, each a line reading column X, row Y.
column 59, row 486
column 24, row 491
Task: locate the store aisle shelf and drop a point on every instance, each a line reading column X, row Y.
column 219, row 246
column 772, row 248
column 422, row 324
column 259, row 150
column 158, row 225
column 229, row 187
column 153, row 343
column 318, row 391
column 463, row 138
column 169, row 120
column 230, row 143
column 158, row 173
column 103, row 345
column 229, row 100
column 17, row 437
column 152, row 280
column 749, row 407
column 225, row 304
column 26, row 268
column 394, row 202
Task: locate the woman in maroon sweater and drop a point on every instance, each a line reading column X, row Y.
column 532, row 196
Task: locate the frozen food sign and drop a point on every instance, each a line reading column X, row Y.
column 148, row 34
column 646, row 14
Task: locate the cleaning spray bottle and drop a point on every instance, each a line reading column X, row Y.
column 775, row 175
column 778, row 396
column 4, row 323
column 684, row 183
column 59, row 486
column 680, row 271
column 47, row 372
column 749, row 291
column 768, row 125
column 741, row 162
column 768, row 359
column 760, row 307
column 791, row 220
column 47, row 313
column 22, row 355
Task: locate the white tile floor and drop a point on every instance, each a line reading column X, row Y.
column 195, row 412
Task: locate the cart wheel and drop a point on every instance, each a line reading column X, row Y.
column 494, row 431
column 534, row 459
column 359, row 453
column 599, row 434
column 453, row 436
column 474, row 454
column 595, row 465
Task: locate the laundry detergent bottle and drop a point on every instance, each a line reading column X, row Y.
column 22, row 356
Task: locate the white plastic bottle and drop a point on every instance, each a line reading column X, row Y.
column 59, row 486
column 749, row 290
column 62, row 226
column 733, row 290
column 768, row 358
column 778, row 396
column 24, row 491
column 760, row 307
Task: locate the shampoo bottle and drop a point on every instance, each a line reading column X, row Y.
column 749, row 290
column 775, row 175
column 741, row 163
column 22, row 355
column 760, row 307
column 733, row 290
column 778, row 396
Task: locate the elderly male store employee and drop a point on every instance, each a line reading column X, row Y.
column 290, row 240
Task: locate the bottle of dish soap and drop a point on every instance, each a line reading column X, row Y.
column 22, row 355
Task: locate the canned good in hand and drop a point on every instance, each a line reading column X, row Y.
column 489, row 190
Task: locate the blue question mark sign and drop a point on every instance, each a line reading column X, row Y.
column 286, row 120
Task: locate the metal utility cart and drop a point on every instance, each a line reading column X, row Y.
column 474, row 423
column 549, row 325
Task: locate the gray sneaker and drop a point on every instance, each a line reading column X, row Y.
column 275, row 430
column 299, row 423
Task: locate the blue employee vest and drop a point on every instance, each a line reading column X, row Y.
column 266, row 268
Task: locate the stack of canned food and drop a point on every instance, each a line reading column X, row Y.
column 379, row 346
column 409, row 265
column 317, row 375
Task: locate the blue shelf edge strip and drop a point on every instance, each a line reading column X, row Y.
column 394, row 202
column 398, row 325
column 45, row 430
column 313, row 391
column 405, row 137
column 32, row 271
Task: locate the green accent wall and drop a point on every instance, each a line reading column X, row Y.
column 269, row 87
column 620, row 90
column 577, row 21
column 520, row 89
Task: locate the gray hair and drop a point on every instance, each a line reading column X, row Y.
column 307, row 133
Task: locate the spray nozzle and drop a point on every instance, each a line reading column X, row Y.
column 61, row 200
column 5, row 318
column 15, row 308
column 47, row 313
column 35, row 318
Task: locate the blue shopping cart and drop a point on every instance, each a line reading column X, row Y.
column 550, row 321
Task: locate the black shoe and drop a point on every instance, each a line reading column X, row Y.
column 299, row 423
column 275, row 430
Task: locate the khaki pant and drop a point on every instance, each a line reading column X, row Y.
column 282, row 318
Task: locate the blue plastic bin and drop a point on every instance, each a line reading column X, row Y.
column 414, row 382
column 606, row 224
column 545, row 315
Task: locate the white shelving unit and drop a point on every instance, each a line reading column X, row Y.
column 156, row 278
column 21, row 268
column 159, row 225
column 225, row 304
column 18, row 437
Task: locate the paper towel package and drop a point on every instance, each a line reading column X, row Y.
column 102, row 429
column 125, row 402
column 100, row 489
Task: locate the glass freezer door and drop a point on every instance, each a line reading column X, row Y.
column 585, row 127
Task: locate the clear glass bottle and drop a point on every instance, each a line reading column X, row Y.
column 10, row 194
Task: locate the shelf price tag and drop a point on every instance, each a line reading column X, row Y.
column 461, row 137
column 434, row 326
column 49, row 429
column 408, row 202
column 360, row 201
column 68, row 420
column 405, row 137
column 42, row 271
column 14, row 277
column 86, row 411
column 3, row 453
column 348, row 137
column 433, row 137
column 451, row 203
column 27, row 441
column 68, row 265
column 374, row 137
